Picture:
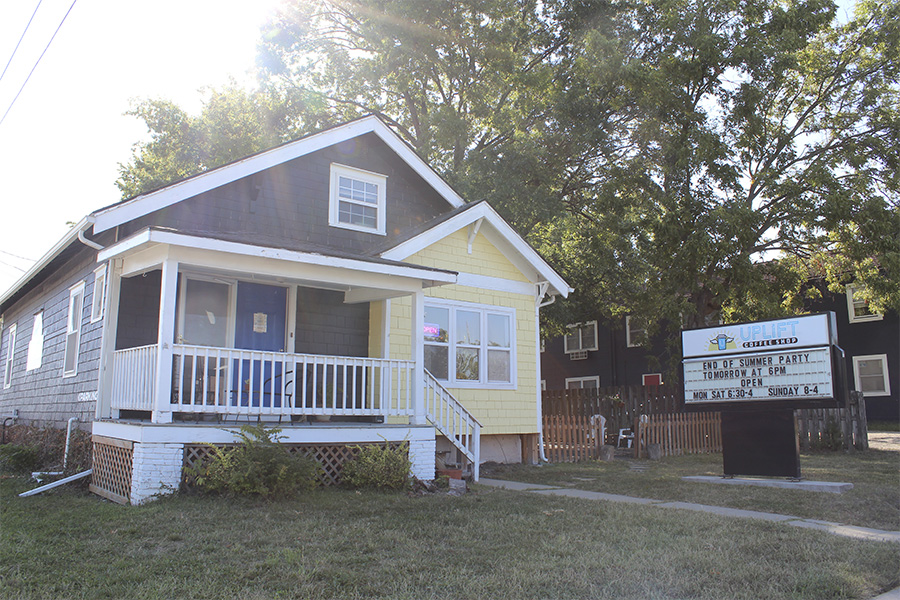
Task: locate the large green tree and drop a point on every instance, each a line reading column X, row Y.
column 757, row 146
column 676, row 159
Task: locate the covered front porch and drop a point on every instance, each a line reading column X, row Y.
column 207, row 332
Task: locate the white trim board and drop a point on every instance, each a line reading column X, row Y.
column 150, row 236
column 499, row 233
column 109, row 217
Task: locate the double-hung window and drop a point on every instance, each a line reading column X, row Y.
column 635, row 333
column 10, row 353
column 871, row 374
column 36, row 345
column 99, row 298
column 73, row 329
column 357, row 199
column 581, row 337
column 858, row 309
column 470, row 344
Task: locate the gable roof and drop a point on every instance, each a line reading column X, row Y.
column 499, row 233
column 122, row 212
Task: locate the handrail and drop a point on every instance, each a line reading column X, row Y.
column 453, row 421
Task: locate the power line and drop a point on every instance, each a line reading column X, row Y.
column 16, row 256
column 12, row 266
column 38, row 61
column 20, row 40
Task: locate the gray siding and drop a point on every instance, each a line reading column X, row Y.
column 325, row 325
column 287, row 206
column 43, row 396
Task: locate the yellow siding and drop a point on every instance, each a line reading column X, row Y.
column 510, row 411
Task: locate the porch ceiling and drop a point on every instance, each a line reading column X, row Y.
column 362, row 278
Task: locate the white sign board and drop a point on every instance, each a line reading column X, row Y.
column 787, row 359
column 797, row 332
column 796, row 375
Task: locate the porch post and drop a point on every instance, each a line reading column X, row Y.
column 108, row 339
column 417, row 317
column 162, row 404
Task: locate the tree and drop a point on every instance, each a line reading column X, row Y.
column 232, row 124
column 453, row 78
column 753, row 131
column 678, row 160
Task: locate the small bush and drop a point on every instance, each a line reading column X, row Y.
column 379, row 467
column 258, row 466
column 50, row 445
column 18, row 459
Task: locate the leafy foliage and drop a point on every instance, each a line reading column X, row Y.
column 677, row 160
column 378, row 466
column 258, row 466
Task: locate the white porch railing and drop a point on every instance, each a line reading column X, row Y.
column 249, row 382
column 454, row 422
column 134, row 378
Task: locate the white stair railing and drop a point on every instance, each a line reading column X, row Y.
column 453, row 421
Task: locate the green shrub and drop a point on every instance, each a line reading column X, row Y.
column 258, row 466
column 379, row 467
column 19, row 459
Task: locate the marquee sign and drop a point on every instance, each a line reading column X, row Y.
column 787, row 362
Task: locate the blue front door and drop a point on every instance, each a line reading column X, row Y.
column 260, row 324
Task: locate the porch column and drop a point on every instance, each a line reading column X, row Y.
column 417, row 317
column 162, row 404
column 108, row 340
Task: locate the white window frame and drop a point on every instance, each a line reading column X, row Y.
column 74, row 325
column 581, row 380
column 36, row 344
column 10, row 355
column 884, row 373
column 851, row 308
column 579, row 329
column 98, row 300
column 484, row 310
column 334, row 201
column 182, row 303
column 629, row 341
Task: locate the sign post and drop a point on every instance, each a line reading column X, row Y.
column 757, row 374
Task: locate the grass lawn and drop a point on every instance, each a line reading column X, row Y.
column 489, row 544
column 874, row 500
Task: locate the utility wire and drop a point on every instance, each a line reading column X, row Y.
column 12, row 266
column 38, row 61
column 20, row 40
column 16, row 256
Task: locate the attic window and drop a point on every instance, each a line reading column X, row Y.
column 357, row 199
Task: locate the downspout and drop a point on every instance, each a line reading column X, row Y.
column 39, row 475
column 538, row 305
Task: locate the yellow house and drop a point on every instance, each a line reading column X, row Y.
column 335, row 286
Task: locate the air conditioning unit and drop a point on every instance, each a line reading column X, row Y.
column 578, row 355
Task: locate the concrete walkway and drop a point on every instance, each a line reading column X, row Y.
column 862, row 533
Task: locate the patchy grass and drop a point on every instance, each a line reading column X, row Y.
column 488, row 544
column 874, row 500
column 883, row 426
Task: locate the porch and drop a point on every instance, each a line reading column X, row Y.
column 218, row 333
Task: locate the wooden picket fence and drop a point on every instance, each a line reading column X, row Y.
column 569, row 433
column 571, row 438
column 834, row 428
column 680, row 433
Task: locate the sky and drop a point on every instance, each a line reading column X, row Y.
column 65, row 135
